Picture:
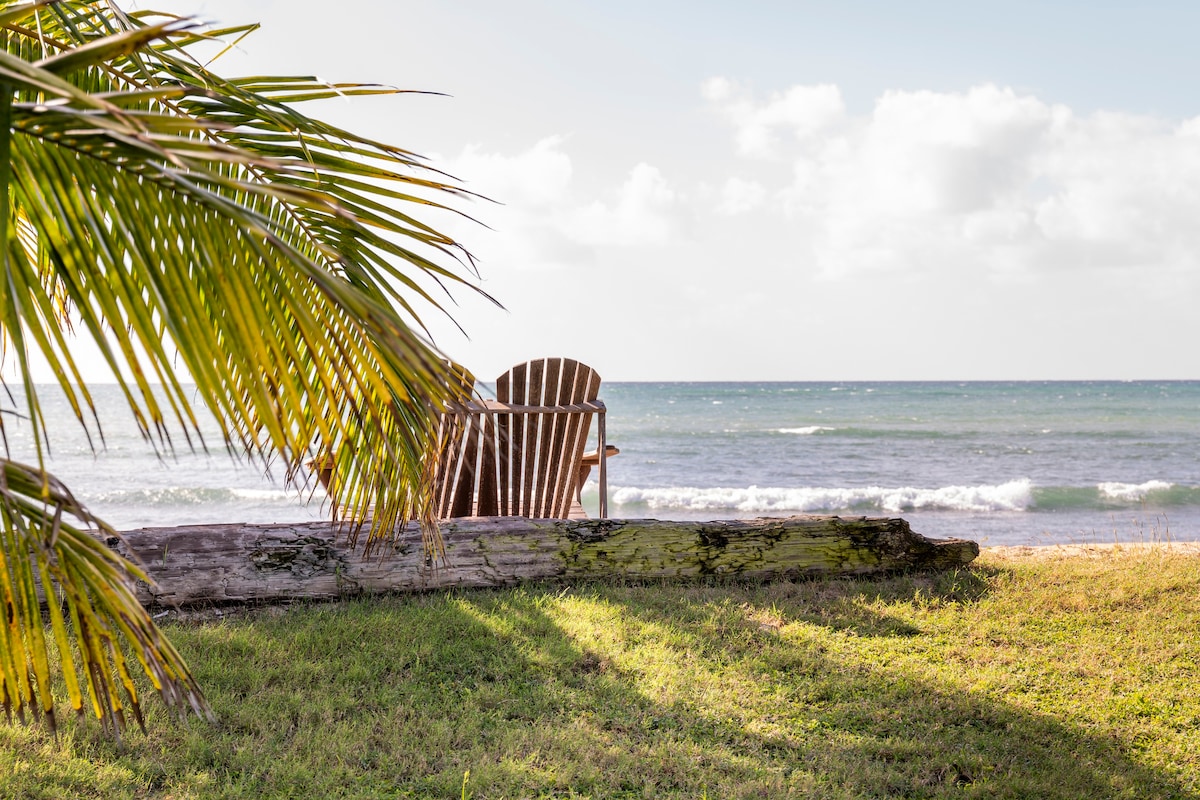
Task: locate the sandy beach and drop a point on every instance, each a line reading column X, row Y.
column 1094, row 550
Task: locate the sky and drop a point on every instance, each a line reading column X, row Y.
column 790, row 190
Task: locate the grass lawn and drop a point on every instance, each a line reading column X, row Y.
column 1052, row 677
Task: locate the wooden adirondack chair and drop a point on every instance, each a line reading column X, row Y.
column 462, row 386
column 522, row 454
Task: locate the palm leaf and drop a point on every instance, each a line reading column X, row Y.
column 46, row 554
column 196, row 226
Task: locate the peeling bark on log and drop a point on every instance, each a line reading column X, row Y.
column 244, row 563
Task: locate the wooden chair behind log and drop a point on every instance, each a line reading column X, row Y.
column 522, row 454
column 461, row 383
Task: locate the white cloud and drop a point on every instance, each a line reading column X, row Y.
column 988, row 179
column 527, row 194
column 739, row 196
column 535, row 179
column 990, row 213
column 802, row 111
column 541, row 220
column 641, row 215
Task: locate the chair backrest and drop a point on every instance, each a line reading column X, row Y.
column 456, row 464
column 523, row 461
column 461, row 385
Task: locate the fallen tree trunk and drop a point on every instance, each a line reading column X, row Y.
column 243, row 563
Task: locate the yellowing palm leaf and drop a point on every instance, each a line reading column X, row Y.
column 193, row 225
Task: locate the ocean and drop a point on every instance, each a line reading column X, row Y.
column 1004, row 463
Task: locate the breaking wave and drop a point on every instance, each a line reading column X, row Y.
column 1015, row 496
column 126, row 509
column 1012, row 496
column 175, row 496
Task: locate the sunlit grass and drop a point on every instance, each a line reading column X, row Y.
column 1062, row 678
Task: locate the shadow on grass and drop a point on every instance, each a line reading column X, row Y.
column 864, row 728
column 789, row 689
column 850, row 604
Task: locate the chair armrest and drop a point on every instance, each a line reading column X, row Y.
column 496, row 407
column 592, row 457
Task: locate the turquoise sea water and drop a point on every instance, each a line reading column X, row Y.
column 1003, row 463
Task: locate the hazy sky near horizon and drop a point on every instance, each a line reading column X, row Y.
column 791, row 190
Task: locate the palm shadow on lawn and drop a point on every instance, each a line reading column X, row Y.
column 876, row 729
column 724, row 690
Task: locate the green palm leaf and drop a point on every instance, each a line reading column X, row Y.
column 196, row 226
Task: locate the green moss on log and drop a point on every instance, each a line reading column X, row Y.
column 243, row 563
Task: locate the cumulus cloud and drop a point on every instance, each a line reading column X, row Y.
column 527, row 193
column 740, row 196
column 641, row 214
column 800, row 113
column 536, row 178
column 987, row 179
column 542, row 220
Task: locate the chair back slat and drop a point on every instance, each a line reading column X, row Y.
column 468, row 469
column 556, row 435
column 584, row 384
column 545, row 452
column 454, row 475
column 556, row 498
column 539, row 453
column 528, row 455
column 487, row 504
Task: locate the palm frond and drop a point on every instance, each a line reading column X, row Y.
column 257, row 182
column 196, row 226
column 72, row 565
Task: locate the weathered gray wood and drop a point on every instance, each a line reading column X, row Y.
column 243, row 563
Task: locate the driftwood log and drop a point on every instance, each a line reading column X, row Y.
column 232, row 564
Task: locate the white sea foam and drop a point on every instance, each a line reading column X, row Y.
column 189, row 496
column 265, row 494
column 808, row 430
column 1012, row 496
column 1131, row 492
column 126, row 509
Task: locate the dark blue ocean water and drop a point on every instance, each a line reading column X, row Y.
column 1003, row 463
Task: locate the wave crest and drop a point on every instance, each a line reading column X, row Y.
column 1131, row 492
column 189, row 496
column 1012, row 496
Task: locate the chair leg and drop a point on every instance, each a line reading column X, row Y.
column 585, row 470
column 602, row 449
